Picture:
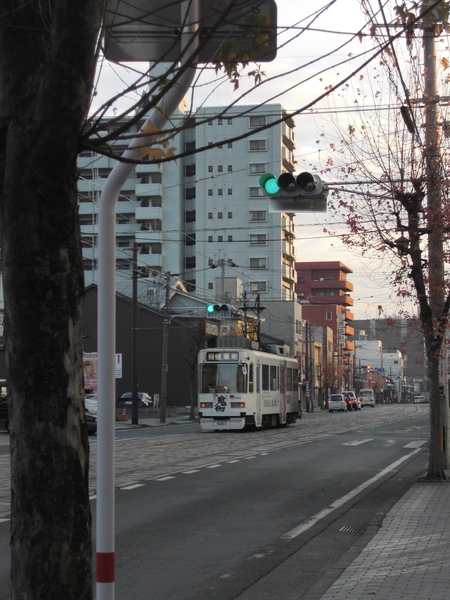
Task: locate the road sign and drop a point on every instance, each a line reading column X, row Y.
column 150, row 30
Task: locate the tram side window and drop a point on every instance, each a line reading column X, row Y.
column 273, row 378
column 250, row 378
column 289, row 380
column 265, row 377
column 295, row 380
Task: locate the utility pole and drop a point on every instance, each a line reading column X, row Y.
column 165, row 349
column 134, row 345
column 435, row 225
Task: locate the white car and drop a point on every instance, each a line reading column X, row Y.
column 419, row 400
column 90, row 404
column 337, row 402
column 143, row 399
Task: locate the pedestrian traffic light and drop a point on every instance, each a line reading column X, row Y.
column 218, row 308
column 290, row 193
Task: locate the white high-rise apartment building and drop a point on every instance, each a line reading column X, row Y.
column 204, row 217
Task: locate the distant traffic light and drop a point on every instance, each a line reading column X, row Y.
column 302, row 193
column 218, row 308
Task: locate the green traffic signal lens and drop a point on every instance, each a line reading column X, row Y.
column 210, row 308
column 269, row 183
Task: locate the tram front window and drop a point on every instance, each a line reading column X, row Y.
column 223, row 378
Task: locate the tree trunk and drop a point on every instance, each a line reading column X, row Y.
column 436, row 461
column 47, row 56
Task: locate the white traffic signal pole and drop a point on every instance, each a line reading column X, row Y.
column 105, row 555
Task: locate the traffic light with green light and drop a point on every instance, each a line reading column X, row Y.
column 218, row 308
column 305, row 192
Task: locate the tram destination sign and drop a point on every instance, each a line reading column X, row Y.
column 220, row 356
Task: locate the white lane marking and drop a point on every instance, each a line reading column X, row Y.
column 191, row 471
column 415, row 444
column 357, row 442
column 293, row 533
column 213, row 466
column 230, row 462
column 165, row 478
column 132, row 486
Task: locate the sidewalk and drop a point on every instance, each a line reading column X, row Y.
column 409, row 557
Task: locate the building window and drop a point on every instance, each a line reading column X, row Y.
column 220, row 168
column 210, row 122
column 210, row 192
column 257, row 192
column 230, row 144
column 328, row 315
column 190, row 170
column 300, row 280
column 190, row 262
column 219, row 121
column 189, row 216
column 230, row 121
column 258, row 121
column 230, row 238
column 210, row 168
column 220, row 238
column 230, row 215
column 230, row 168
column 258, row 145
column 258, row 286
column 210, row 238
column 210, row 215
column 258, row 215
column 230, row 192
column 210, row 286
column 258, row 263
column 258, row 239
column 220, row 192
column 220, row 215
column 257, row 168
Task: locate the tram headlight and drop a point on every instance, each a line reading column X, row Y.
column 237, row 404
column 206, row 404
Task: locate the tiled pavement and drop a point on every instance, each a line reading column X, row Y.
column 409, row 557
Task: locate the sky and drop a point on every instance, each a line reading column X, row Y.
column 310, row 61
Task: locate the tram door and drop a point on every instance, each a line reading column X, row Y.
column 257, row 395
column 283, row 407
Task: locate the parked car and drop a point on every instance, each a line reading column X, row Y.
column 337, row 402
column 91, row 423
column 90, row 404
column 419, row 400
column 4, row 415
column 353, row 403
column 126, row 399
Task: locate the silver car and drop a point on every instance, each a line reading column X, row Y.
column 337, row 402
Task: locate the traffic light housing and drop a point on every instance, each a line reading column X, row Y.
column 305, row 192
column 215, row 309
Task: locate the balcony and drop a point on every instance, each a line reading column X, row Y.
column 150, row 260
column 149, row 212
column 288, row 249
column 148, row 189
column 288, row 273
column 324, row 283
column 149, row 237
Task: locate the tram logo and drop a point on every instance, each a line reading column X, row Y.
column 220, row 404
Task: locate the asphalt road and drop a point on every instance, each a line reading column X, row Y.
column 208, row 515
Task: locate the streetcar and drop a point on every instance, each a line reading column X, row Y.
column 244, row 388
